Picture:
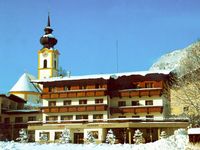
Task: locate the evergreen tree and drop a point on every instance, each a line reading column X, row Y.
column 137, row 138
column 65, row 136
column 23, row 137
column 110, row 137
column 89, row 138
column 43, row 137
column 163, row 135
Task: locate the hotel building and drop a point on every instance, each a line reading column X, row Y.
column 123, row 102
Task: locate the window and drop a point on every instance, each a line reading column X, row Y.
column 67, row 102
column 149, row 117
column 83, row 101
column 135, row 116
column 51, row 118
column 135, row 103
column 186, row 108
column 94, row 134
column 57, row 135
column 6, row 120
column 19, row 106
column 79, row 117
column 32, row 118
column 45, row 64
column 122, row 117
column 150, row 102
column 148, row 85
column 52, row 89
column 52, row 103
column 45, row 135
column 18, row 119
column 99, row 101
column 66, row 88
column 31, row 135
column 67, row 117
column 121, row 103
column 83, row 87
column 55, row 64
column 97, row 86
column 136, row 85
column 98, row 116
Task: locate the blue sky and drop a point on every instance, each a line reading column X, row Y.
column 87, row 31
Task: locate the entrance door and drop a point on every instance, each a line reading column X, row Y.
column 78, row 138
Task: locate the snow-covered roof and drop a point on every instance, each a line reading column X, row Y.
column 24, row 111
column 24, row 84
column 48, row 35
column 194, row 131
column 102, row 76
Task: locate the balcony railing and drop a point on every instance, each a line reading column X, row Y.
column 111, row 120
column 136, row 109
column 141, row 92
column 76, row 108
column 75, row 93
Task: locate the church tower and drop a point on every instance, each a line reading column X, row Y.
column 48, row 56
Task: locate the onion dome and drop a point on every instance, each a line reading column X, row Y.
column 48, row 40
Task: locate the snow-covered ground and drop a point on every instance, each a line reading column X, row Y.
column 176, row 142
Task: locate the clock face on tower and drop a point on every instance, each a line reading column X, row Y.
column 45, row 54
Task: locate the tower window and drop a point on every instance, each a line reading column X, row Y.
column 45, row 64
column 55, row 64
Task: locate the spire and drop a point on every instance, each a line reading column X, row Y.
column 48, row 40
column 48, row 23
column 48, row 29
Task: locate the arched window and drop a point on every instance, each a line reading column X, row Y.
column 45, row 64
column 55, row 64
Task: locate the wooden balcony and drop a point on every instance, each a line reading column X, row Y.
column 135, row 110
column 75, row 94
column 141, row 92
column 107, row 121
column 77, row 108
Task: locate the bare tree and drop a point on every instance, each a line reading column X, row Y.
column 186, row 83
column 62, row 72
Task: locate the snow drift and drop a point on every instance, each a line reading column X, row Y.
column 178, row 141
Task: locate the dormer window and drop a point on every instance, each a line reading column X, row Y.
column 45, row 64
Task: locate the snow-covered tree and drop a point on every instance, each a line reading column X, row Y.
column 163, row 135
column 89, row 138
column 43, row 137
column 65, row 136
column 138, row 138
column 23, row 137
column 110, row 137
column 185, row 89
